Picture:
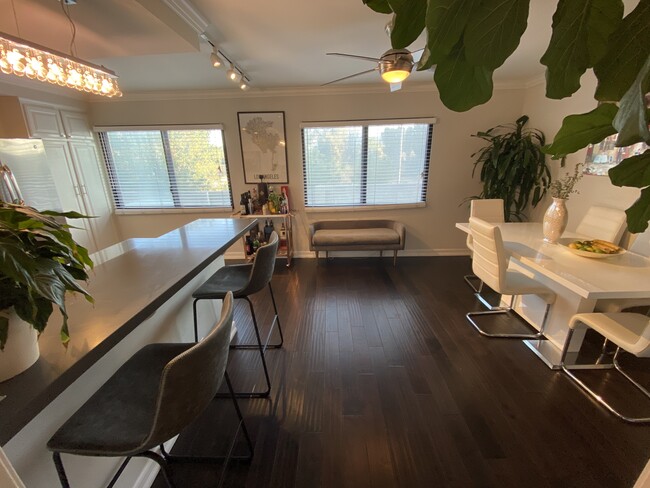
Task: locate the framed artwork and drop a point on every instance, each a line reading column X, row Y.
column 263, row 147
column 605, row 155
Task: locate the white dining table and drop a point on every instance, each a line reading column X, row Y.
column 579, row 282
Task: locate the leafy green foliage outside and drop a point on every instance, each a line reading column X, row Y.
column 39, row 263
column 513, row 167
column 468, row 39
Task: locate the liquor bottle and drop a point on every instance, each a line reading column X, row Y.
column 249, row 246
column 268, row 228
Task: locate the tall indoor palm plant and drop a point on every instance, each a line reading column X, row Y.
column 513, row 167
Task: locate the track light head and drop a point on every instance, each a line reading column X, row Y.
column 232, row 74
column 215, row 59
column 243, row 85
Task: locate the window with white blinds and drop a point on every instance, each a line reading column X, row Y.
column 366, row 163
column 167, row 168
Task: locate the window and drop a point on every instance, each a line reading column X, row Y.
column 167, row 168
column 366, row 163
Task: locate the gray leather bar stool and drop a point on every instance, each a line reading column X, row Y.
column 149, row 400
column 244, row 280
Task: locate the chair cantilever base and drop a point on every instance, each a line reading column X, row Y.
column 505, row 335
column 595, row 396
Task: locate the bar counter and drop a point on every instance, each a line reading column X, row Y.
column 130, row 281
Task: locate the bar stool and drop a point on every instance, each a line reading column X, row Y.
column 244, row 280
column 491, row 210
column 490, row 264
column 158, row 392
column 630, row 332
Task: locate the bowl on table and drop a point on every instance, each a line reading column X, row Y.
column 592, row 248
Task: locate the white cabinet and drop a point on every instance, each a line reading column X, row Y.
column 77, row 171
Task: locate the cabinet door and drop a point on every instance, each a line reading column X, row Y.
column 60, row 163
column 94, row 191
column 43, row 121
column 76, row 125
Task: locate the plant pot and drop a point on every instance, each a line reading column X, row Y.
column 555, row 220
column 21, row 349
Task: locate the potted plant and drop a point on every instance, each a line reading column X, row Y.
column 557, row 216
column 513, row 167
column 39, row 263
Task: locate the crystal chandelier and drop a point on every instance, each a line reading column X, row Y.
column 23, row 58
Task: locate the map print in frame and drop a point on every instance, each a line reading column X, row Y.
column 263, row 147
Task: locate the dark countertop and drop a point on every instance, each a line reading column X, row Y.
column 131, row 280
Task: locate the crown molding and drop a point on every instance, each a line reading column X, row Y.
column 295, row 91
column 189, row 14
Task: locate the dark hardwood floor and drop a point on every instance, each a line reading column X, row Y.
column 383, row 383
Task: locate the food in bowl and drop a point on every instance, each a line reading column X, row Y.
column 596, row 246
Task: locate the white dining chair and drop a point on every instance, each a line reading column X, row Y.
column 490, row 264
column 630, row 332
column 640, row 245
column 603, row 223
column 490, row 210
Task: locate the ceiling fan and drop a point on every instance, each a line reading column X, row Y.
column 395, row 65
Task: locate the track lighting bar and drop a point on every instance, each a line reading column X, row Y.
column 235, row 73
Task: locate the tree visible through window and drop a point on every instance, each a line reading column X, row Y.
column 366, row 164
column 167, row 168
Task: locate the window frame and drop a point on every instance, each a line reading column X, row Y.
column 114, row 182
column 365, row 123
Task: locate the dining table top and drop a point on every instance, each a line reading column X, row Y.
column 625, row 275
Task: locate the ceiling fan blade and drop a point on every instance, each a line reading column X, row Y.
column 351, row 76
column 395, row 86
column 376, row 60
column 416, row 58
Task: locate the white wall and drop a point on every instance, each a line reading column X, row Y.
column 430, row 230
column 547, row 115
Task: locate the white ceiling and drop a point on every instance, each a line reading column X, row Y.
column 280, row 43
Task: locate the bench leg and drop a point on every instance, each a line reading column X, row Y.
column 317, row 252
column 394, row 257
column 381, row 254
column 327, row 254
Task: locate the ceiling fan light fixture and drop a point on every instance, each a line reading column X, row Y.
column 395, row 76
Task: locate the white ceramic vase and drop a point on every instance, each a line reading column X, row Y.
column 21, row 349
column 555, row 220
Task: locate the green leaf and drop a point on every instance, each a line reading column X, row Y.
column 629, row 46
column 638, row 214
column 462, row 86
column 494, row 31
column 631, row 121
column 4, row 331
column 578, row 131
column 581, row 29
column 634, row 171
column 408, row 22
column 445, row 22
column 380, row 6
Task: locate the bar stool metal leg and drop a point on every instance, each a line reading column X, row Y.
column 162, row 462
column 60, row 470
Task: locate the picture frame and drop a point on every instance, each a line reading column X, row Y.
column 262, row 136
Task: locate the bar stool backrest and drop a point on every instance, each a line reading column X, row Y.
column 263, row 267
column 490, row 261
column 603, row 223
column 488, row 209
column 191, row 380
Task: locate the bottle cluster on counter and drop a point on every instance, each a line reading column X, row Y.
column 258, row 237
column 263, row 200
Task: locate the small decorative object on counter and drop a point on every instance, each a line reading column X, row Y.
column 262, row 191
column 557, row 216
column 243, row 204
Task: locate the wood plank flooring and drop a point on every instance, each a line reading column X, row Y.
column 383, row 383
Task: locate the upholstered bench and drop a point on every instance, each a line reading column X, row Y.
column 357, row 235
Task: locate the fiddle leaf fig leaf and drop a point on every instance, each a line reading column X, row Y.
column 494, row 31
column 408, row 22
column 638, row 214
column 581, row 30
column 445, row 22
column 380, row 6
column 578, row 131
column 634, row 171
column 631, row 121
column 462, row 85
column 629, row 47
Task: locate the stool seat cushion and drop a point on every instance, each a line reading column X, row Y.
column 353, row 237
column 233, row 278
column 629, row 331
column 117, row 419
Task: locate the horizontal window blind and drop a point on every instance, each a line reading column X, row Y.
column 366, row 164
column 179, row 168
